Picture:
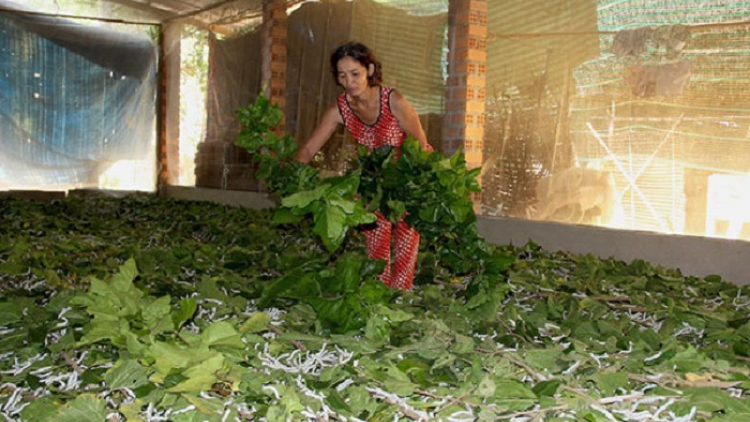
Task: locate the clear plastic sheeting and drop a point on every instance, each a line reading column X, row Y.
column 77, row 105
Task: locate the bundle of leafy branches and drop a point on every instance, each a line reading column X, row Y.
column 150, row 309
column 429, row 191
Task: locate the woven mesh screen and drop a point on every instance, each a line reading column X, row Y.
column 613, row 112
column 617, row 113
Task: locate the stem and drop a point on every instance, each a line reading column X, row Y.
column 532, row 413
column 298, row 344
column 450, row 285
column 406, row 410
column 537, row 376
column 642, row 378
column 72, row 363
column 449, row 400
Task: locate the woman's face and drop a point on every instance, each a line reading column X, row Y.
column 352, row 76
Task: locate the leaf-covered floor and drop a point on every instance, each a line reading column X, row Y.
column 146, row 309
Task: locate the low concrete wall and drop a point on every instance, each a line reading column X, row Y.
column 693, row 255
column 229, row 197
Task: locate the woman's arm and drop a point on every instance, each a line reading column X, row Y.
column 327, row 125
column 408, row 119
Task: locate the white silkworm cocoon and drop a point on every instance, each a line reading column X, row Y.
column 308, row 363
column 273, row 390
column 653, row 357
column 572, row 368
column 462, row 416
column 598, row 358
column 604, row 412
column 346, row 383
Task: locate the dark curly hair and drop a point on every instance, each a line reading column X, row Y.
column 363, row 55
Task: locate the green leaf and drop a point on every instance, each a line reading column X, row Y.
column 400, row 385
column 279, row 286
column 10, row 312
column 186, row 310
column 544, row 359
column 329, row 225
column 512, row 389
column 222, row 333
column 348, row 272
column 200, row 377
column 168, row 357
column 204, row 406
column 126, row 374
column 122, row 286
column 258, row 322
column 710, row 400
column 418, row 370
column 688, row 360
column 156, row 315
column 286, row 216
column 101, row 329
column 610, row 382
column 84, row 408
column 395, row 315
column 734, row 417
column 461, row 210
column 42, row 409
column 486, row 387
column 302, row 199
column 463, row 345
column 337, row 403
column 546, row 388
column 341, row 187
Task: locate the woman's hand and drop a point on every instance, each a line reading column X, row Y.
column 328, row 124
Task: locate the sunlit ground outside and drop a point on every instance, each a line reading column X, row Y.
column 193, row 79
column 728, row 210
column 140, row 175
column 136, row 175
column 727, row 205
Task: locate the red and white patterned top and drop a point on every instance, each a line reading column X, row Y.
column 386, row 129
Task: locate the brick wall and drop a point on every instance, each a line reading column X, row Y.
column 274, row 53
column 463, row 125
column 168, row 153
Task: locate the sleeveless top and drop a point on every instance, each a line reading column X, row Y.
column 385, row 130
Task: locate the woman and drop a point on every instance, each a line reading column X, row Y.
column 376, row 116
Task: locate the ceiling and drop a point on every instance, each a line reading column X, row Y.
column 206, row 11
column 225, row 16
column 222, row 16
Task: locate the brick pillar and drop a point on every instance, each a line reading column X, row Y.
column 463, row 125
column 168, row 117
column 274, row 53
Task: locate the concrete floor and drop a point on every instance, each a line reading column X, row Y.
column 693, row 255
